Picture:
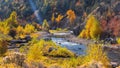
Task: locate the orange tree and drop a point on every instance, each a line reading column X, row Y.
column 71, row 15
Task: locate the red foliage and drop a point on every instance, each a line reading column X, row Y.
column 113, row 25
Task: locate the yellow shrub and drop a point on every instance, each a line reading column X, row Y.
column 62, row 52
column 35, row 52
column 29, row 29
column 19, row 30
column 4, row 27
column 22, row 32
column 82, row 34
column 95, row 52
column 118, row 40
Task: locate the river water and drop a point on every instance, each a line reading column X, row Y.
column 78, row 49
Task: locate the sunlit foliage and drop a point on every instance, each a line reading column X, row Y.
column 12, row 20
column 92, row 29
column 29, row 29
column 45, row 25
column 53, row 18
column 95, row 52
column 20, row 31
column 59, row 18
column 40, row 49
column 62, row 52
column 7, row 24
column 71, row 15
column 35, row 52
column 118, row 40
column 4, row 27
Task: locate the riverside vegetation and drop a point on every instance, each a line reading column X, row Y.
column 23, row 33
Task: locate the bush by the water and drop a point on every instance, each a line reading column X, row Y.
column 42, row 48
column 62, row 52
column 96, row 53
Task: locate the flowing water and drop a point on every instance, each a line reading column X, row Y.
column 78, row 49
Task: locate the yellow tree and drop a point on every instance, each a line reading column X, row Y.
column 71, row 15
column 12, row 20
column 92, row 29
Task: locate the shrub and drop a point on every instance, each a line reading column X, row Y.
column 95, row 53
column 62, row 52
column 3, row 47
column 21, row 31
column 71, row 62
column 4, row 27
column 118, row 40
column 35, row 52
column 29, row 29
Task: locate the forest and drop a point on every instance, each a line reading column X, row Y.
column 59, row 34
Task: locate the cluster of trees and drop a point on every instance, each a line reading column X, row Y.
column 12, row 27
column 102, row 28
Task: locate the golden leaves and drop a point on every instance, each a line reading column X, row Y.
column 71, row 15
column 92, row 29
column 59, row 18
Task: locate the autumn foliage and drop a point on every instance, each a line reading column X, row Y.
column 12, row 20
column 59, row 18
column 45, row 25
column 92, row 29
column 111, row 26
column 71, row 15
